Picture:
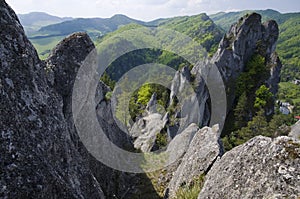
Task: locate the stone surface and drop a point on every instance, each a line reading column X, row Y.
column 202, row 152
column 38, row 157
column 260, row 168
column 295, row 131
column 245, row 38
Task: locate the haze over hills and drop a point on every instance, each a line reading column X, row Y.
column 35, row 20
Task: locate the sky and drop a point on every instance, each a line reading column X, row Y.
column 146, row 9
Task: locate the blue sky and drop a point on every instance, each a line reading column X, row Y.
column 146, row 9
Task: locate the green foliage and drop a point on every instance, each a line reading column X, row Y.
column 108, row 81
column 161, row 140
column 288, row 48
column 255, row 73
column 289, row 92
column 199, row 27
column 142, row 96
column 259, row 126
column 263, row 97
column 241, row 112
column 247, row 84
column 108, row 96
column 191, row 191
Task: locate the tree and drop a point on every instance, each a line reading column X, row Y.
column 263, row 97
column 241, row 113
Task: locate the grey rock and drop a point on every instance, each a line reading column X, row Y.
column 181, row 142
column 200, row 156
column 38, row 157
column 260, row 168
column 245, row 38
column 151, row 106
column 145, row 131
column 295, row 131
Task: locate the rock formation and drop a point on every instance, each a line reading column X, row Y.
column 295, row 131
column 260, row 168
column 38, row 157
column 145, row 130
column 201, row 154
column 245, row 38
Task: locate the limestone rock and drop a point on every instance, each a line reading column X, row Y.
column 38, row 157
column 181, row 142
column 295, row 131
column 200, row 156
column 245, row 38
column 260, row 168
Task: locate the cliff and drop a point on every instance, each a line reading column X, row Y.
column 38, row 157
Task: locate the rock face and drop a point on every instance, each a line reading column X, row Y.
column 38, row 157
column 145, row 130
column 202, row 152
column 260, row 168
column 245, row 38
column 295, row 131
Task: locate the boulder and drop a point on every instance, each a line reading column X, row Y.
column 260, row 168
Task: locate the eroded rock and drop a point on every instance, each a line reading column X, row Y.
column 260, row 168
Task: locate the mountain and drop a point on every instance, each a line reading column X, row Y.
column 199, row 28
column 288, row 42
column 46, row 37
column 35, row 20
column 91, row 25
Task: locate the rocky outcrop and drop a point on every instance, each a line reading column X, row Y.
column 38, row 157
column 295, row 131
column 260, row 168
column 246, row 37
column 145, row 129
column 202, row 152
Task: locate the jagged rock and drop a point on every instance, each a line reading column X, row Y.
column 189, row 111
column 202, row 152
column 260, row 168
column 245, row 38
column 180, row 81
column 181, row 142
column 151, row 106
column 38, row 157
column 295, row 131
column 145, row 131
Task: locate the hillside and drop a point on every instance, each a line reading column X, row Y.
column 289, row 39
column 91, row 25
column 33, row 21
column 200, row 28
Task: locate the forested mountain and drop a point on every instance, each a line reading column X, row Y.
column 33, row 21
